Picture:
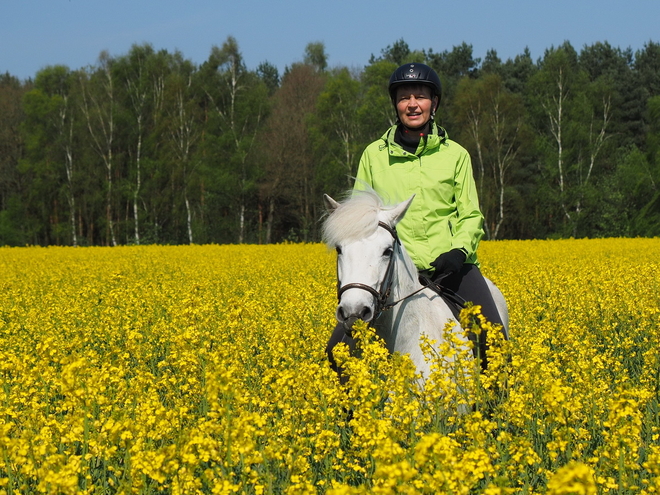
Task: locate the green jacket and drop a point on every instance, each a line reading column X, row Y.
column 445, row 213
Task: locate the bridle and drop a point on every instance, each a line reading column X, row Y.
column 382, row 295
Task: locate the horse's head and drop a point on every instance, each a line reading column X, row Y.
column 362, row 231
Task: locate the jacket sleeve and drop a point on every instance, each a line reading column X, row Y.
column 468, row 224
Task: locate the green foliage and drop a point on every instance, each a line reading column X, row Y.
column 315, row 56
column 336, row 131
column 12, row 232
column 376, row 112
column 148, row 147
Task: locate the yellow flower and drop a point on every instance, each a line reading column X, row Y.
column 573, row 479
column 182, row 369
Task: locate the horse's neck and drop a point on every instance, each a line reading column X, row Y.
column 421, row 313
column 415, row 309
column 406, row 281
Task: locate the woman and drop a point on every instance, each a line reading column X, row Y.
column 443, row 226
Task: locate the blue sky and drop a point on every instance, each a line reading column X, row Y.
column 38, row 33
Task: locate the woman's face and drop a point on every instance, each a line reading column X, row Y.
column 414, row 104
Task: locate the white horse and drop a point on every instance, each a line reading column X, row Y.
column 374, row 272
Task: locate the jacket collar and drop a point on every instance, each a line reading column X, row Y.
column 437, row 136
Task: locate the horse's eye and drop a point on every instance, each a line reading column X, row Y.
column 388, row 252
column 338, row 249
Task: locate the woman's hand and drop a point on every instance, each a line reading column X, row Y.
column 448, row 263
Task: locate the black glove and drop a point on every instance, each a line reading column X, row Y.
column 448, row 263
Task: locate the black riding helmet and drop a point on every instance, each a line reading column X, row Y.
column 415, row 73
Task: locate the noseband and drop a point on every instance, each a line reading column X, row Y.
column 382, row 295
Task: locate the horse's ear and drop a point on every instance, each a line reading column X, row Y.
column 330, row 204
column 397, row 213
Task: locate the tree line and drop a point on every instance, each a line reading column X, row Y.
column 149, row 147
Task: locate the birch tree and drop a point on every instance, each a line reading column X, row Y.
column 578, row 115
column 184, row 131
column 51, row 117
column 492, row 119
column 337, row 137
column 238, row 101
column 98, row 108
column 554, row 87
column 133, row 74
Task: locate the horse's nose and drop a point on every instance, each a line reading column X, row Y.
column 363, row 312
column 366, row 314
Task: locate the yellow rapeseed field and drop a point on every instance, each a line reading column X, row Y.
column 201, row 369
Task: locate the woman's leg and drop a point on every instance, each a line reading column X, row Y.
column 470, row 284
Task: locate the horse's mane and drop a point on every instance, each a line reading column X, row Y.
column 356, row 217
